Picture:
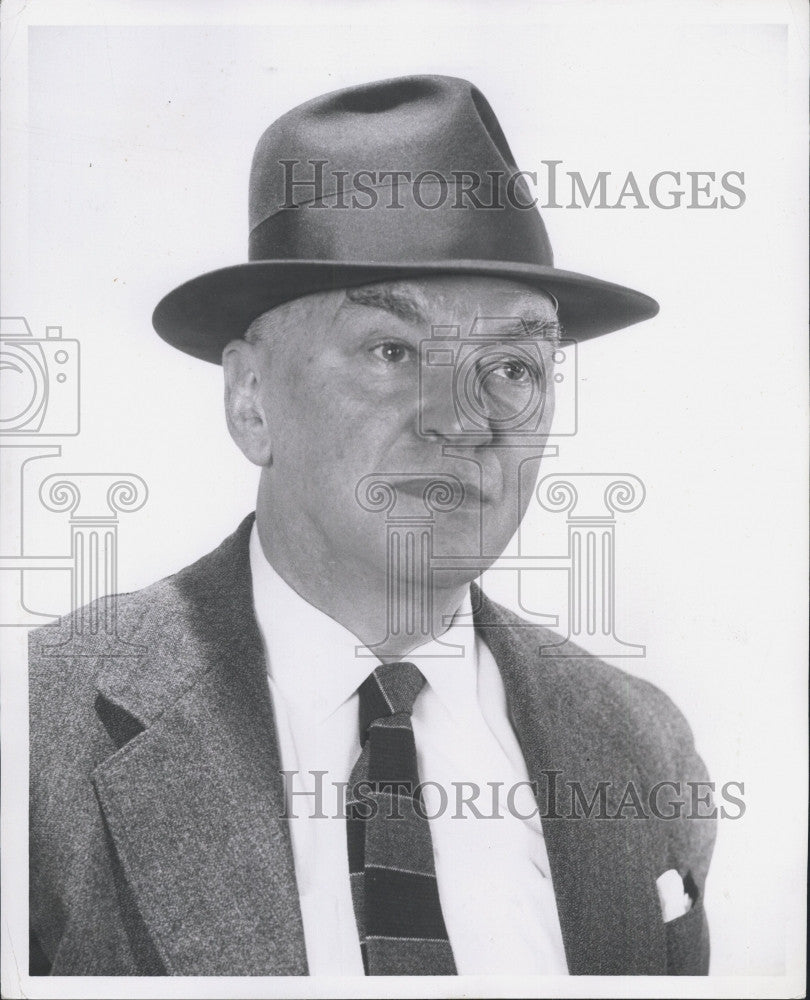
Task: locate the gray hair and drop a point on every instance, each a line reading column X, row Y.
column 282, row 319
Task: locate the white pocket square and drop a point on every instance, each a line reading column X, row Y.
column 674, row 899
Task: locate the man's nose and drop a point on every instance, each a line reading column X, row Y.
column 444, row 413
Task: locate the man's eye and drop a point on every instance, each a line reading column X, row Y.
column 391, row 352
column 512, row 370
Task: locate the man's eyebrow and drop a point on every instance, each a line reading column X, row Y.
column 398, row 301
column 531, row 325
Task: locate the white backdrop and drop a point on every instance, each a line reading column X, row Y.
column 130, row 159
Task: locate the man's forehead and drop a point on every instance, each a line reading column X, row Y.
column 440, row 300
column 424, row 303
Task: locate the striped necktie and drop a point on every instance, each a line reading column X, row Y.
column 394, row 891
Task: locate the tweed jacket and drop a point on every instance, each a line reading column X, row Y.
column 157, row 839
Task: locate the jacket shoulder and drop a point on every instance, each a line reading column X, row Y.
column 577, row 683
column 137, row 640
column 159, row 608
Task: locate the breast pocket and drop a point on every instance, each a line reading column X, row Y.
column 688, row 943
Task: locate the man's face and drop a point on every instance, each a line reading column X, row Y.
column 349, row 391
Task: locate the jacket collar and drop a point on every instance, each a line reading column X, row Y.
column 201, row 617
column 193, row 800
column 193, row 797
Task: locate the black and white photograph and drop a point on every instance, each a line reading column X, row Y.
column 403, row 542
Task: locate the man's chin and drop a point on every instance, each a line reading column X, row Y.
column 473, row 532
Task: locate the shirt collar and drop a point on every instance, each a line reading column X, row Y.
column 316, row 663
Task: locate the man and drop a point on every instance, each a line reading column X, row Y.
column 256, row 778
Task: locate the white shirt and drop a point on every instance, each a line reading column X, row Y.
column 493, row 875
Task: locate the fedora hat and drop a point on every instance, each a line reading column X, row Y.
column 393, row 179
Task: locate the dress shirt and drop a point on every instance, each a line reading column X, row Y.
column 493, row 873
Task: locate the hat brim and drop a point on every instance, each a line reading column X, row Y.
column 201, row 316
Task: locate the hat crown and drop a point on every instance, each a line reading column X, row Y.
column 439, row 124
column 461, row 208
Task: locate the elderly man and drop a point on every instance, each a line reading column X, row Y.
column 279, row 767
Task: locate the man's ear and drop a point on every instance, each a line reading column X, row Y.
column 244, row 412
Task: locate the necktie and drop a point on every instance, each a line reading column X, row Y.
column 394, row 891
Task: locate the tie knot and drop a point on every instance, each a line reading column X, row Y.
column 389, row 690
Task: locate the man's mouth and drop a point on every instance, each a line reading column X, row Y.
column 422, row 485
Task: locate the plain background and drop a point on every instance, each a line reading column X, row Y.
column 130, row 153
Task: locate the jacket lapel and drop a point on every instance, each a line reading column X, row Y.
column 603, row 870
column 193, row 798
